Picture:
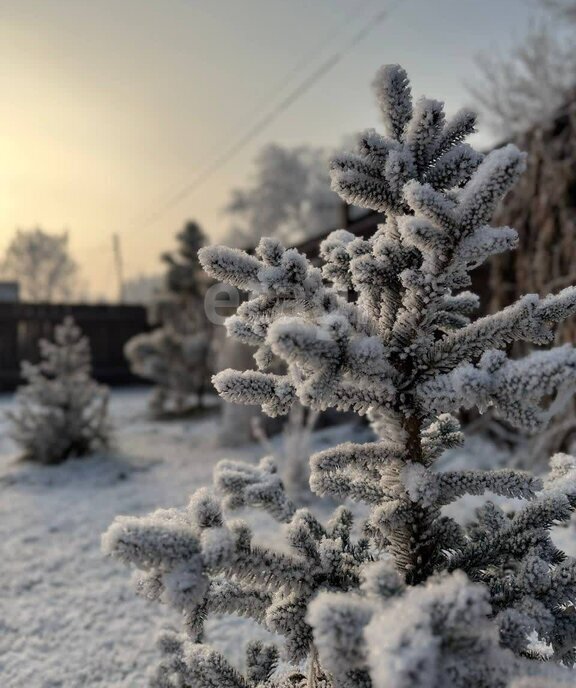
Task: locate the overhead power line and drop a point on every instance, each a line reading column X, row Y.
column 306, row 59
column 265, row 120
column 277, row 88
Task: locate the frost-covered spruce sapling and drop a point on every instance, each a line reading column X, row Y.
column 418, row 600
column 62, row 411
column 177, row 354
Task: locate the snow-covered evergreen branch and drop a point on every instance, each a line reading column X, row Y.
column 417, row 600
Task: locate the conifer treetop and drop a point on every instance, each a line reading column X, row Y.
column 413, row 319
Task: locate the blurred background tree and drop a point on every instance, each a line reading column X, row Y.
column 289, row 197
column 529, row 84
column 177, row 354
column 42, row 265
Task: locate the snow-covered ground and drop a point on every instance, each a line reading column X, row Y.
column 68, row 615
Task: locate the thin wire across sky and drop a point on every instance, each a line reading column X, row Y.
column 272, row 113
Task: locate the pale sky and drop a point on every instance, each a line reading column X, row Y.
column 108, row 107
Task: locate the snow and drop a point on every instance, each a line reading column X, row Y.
column 68, row 615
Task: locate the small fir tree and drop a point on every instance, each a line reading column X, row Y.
column 61, row 412
column 416, row 600
column 177, row 355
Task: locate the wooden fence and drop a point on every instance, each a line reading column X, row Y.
column 108, row 328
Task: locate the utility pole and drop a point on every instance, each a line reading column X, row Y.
column 119, row 266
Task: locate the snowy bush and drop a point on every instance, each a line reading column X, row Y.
column 176, row 355
column 413, row 599
column 61, row 412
